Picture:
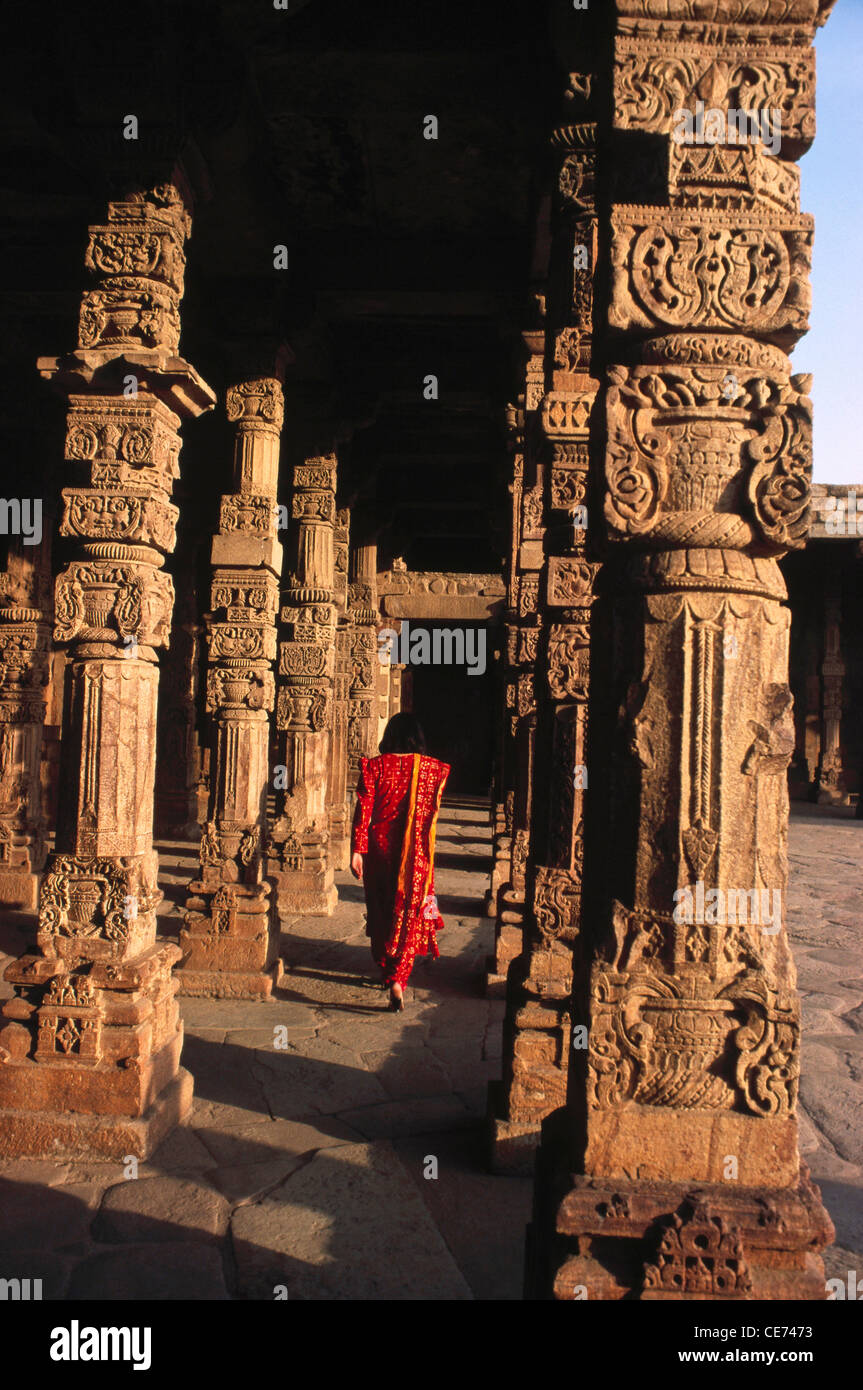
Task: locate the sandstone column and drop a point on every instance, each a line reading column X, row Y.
column 338, row 791
column 504, row 903
column 25, row 644
column 230, row 940
column 537, row 1025
column 828, row 775
column 298, row 851
column 521, row 636
column 181, row 796
column 681, row 1124
column 363, row 612
column 89, row 1055
column 394, row 691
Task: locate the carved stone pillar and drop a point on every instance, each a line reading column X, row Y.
column 180, row 755
column 537, row 1024
column 91, row 1046
column 230, row 940
column 829, row 788
column 394, row 690
column 299, row 855
column 25, row 644
column 363, row 612
column 338, row 792
column 503, row 806
column 522, row 632
column 681, row 1124
column 383, row 697
column 501, row 793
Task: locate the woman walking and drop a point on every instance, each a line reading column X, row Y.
column 392, row 850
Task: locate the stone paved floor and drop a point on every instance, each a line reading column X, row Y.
column 304, row 1168
column 826, row 926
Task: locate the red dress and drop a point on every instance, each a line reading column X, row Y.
column 398, row 799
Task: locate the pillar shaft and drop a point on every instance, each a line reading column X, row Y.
column 299, row 845
column 518, row 713
column 25, row 637
column 680, row 1124
column 338, row 790
column 829, row 782
column 537, row 1025
column 92, row 1039
column 363, row 734
column 231, row 933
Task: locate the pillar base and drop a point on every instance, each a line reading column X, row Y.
column 230, row 950
column 650, row 1241
column 508, row 937
column 90, row 1056
column 229, row 984
column 831, row 796
column 60, row 1135
column 501, row 873
column 301, row 895
column 513, row 1147
column 19, row 889
column 301, row 868
column 340, row 839
column 537, row 1038
column 508, row 946
column 495, row 985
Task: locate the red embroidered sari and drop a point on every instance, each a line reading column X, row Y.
column 398, row 799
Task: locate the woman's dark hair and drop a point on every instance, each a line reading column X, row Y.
column 403, row 734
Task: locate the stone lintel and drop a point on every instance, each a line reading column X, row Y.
column 444, row 608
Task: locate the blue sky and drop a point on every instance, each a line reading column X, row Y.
column 832, row 189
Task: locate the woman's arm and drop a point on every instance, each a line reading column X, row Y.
column 362, row 817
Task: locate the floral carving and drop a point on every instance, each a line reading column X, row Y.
column 556, row 903
column 88, row 898
column 569, row 661
column 241, row 511
column 570, row 580
column 259, row 402
column 654, row 80
column 698, row 1256
column 779, row 484
column 696, row 271
column 302, row 659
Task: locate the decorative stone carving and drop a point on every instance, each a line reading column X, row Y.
column 231, row 932
column 694, row 270
column 683, row 985
column 569, row 661
column 100, row 601
column 653, row 80
column 127, row 442
column 25, row 607
column 538, row 986
column 94, row 1070
column 298, row 848
column 698, row 1257
column 699, row 458
column 338, row 792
